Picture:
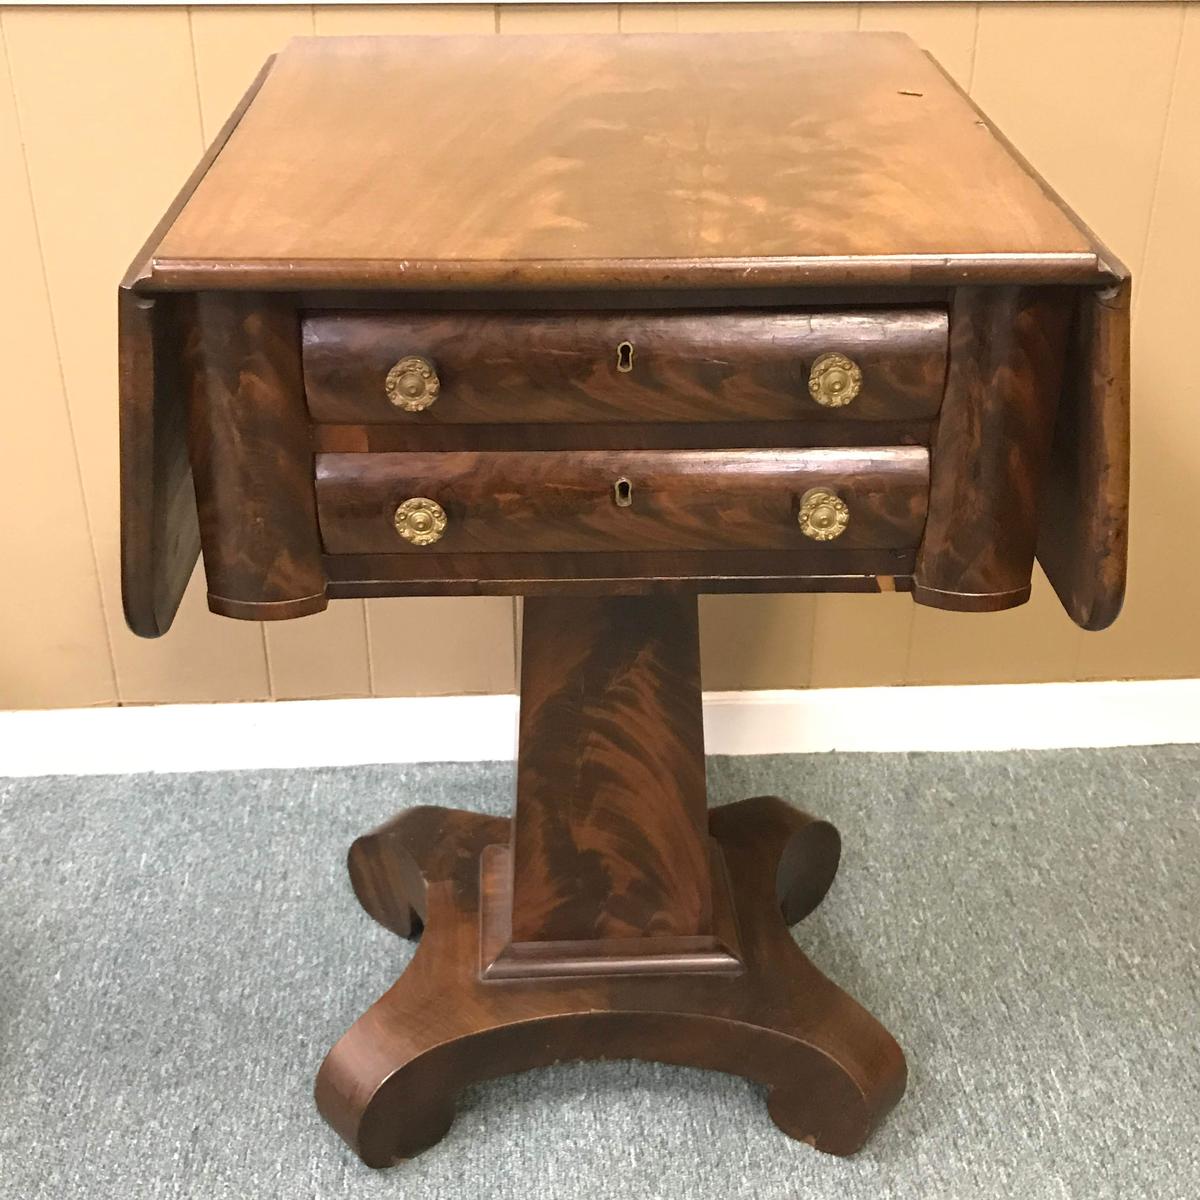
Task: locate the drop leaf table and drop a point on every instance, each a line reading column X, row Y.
column 609, row 322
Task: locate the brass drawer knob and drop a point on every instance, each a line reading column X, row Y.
column 823, row 515
column 834, row 380
column 421, row 521
column 412, row 384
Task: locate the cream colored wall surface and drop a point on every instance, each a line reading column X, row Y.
column 103, row 112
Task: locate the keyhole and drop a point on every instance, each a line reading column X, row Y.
column 623, row 492
column 625, row 357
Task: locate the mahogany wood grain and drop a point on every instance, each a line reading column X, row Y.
column 732, row 205
column 690, row 961
column 502, row 957
column 160, row 535
column 617, row 943
column 506, row 502
column 609, row 837
column 616, row 298
column 820, row 569
column 1083, row 530
column 609, row 861
column 389, row 1085
column 630, row 933
column 642, row 435
column 251, row 458
column 992, row 447
column 749, row 161
column 536, row 368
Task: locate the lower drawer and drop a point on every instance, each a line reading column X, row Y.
column 642, row 500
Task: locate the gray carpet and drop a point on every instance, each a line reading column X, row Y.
column 177, row 953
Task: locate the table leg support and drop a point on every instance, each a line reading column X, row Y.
column 718, row 983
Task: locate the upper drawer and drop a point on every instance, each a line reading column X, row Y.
column 472, row 368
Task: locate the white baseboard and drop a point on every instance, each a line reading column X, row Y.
column 309, row 733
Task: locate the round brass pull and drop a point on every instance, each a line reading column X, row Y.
column 834, row 380
column 421, row 521
column 412, row 384
column 823, row 515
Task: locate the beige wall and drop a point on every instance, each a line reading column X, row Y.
column 102, row 115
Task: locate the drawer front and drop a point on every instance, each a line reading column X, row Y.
column 510, row 502
column 457, row 368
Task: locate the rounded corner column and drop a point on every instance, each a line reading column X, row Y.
column 991, row 449
column 252, row 457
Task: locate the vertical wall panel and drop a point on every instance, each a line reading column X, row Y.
column 861, row 641
column 230, row 45
column 947, row 31
column 557, row 18
column 443, row 646
column 1104, row 71
column 755, row 641
column 1159, row 631
column 128, row 127
column 404, row 18
column 1035, row 643
column 721, row 18
column 648, row 18
column 53, row 644
column 320, row 656
column 764, row 640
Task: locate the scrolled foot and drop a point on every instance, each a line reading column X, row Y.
column 391, row 866
column 832, row 1119
column 834, row 1105
column 403, row 1114
column 806, row 849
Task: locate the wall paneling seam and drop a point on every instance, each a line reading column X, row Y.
column 366, row 611
column 54, row 334
column 196, row 77
column 1162, row 149
column 974, row 48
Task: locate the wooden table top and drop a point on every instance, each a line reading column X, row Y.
column 645, row 160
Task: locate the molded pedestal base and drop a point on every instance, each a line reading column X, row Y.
column 389, row 1085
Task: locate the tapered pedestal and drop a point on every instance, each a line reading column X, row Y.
column 613, row 917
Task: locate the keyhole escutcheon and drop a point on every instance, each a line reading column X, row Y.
column 625, row 357
column 623, row 492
